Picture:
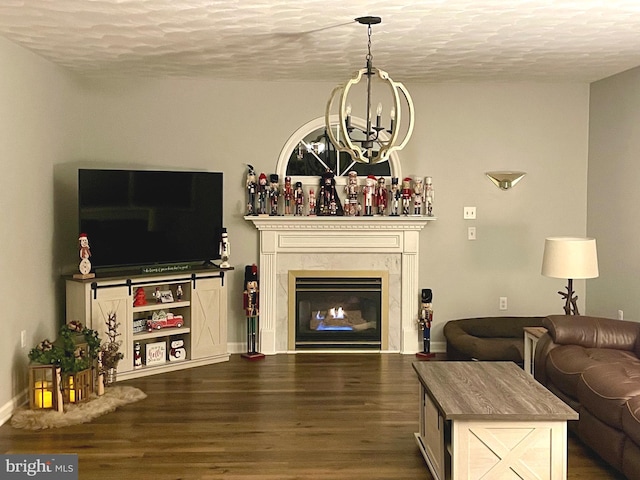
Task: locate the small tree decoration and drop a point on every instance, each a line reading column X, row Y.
column 110, row 351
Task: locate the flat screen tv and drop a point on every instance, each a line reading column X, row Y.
column 140, row 217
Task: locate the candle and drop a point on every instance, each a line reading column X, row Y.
column 72, row 392
column 44, row 396
column 348, row 112
column 392, row 114
column 378, row 113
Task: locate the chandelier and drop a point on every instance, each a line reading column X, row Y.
column 368, row 141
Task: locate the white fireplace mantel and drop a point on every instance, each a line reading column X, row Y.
column 339, row 243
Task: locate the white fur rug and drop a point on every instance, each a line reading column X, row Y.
column 74, row 414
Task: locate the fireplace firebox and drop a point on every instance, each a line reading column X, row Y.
column 341, row 311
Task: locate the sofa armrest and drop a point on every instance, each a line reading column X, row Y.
column 593, row 332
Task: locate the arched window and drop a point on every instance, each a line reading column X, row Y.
column 308, row 153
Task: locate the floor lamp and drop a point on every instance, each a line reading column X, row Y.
column 570, row 258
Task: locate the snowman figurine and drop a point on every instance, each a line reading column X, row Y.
column 85, row 253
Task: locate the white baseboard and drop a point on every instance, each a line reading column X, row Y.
column 8, row 408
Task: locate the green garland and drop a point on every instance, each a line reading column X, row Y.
column 63, row 353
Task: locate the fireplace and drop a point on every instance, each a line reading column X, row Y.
column 338, row 309
column 322, row 244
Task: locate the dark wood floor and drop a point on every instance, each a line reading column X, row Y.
column 305, row 416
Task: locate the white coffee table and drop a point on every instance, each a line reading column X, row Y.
column 490, row 420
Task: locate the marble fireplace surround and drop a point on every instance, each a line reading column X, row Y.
column 339, row 243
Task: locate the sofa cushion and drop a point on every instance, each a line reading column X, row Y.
column 566, row 363
column 631, row 419
column 605, row 389
column 607, row 441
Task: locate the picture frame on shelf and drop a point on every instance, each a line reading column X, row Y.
column 156, row 353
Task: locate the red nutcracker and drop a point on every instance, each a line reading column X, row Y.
column 406, row 194
column 287, row 194
column 251, row 299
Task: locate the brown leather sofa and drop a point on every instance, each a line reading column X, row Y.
column 593, row 364
column 488, row 338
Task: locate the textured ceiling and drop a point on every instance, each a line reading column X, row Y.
column 418, row 40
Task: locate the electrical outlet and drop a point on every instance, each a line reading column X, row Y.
column 469, row 213
column 23, row 338
column 503, row 303
column 471, row 233
column 620, row 315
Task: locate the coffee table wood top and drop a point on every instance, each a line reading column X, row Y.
column 489, row 391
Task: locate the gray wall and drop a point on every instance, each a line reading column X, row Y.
column 461, row 131
column 59, row 122
column 38, row 129
column 614, row 171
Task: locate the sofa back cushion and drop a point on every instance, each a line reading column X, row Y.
column 594, row 332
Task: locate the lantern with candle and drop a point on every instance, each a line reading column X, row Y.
column 69, row 361
column 44, row 391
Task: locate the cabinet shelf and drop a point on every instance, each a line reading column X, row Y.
column 161, row 306
column 163, row 332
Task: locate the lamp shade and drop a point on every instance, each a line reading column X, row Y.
column 570, row 258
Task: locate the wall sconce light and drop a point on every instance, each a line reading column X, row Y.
column 505, row 180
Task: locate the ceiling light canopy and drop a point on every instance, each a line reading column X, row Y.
column 366, row 139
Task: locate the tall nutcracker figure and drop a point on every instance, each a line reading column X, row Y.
column 252, row 190
column 368, row 193
column 406, row 194
column 251, row 302
column 225, row 249
column 351, row 189
column 394, row 197
column 263, row 194
column 429, row 195
column 418, row 195
column 298, row 196
column 381, row 196
column 287, row 194
column 425, row 318
column 274, row 193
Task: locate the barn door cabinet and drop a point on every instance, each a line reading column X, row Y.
column 167, row 322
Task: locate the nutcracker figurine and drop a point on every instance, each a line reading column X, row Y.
column 406, row 195
column 251, row 308
column 298, row 196
column 274, row 193
column 418, row 195
column 263, row 193
column 368, row 192
column 381, row 196
column 429, row 195
column 287, row 194
column 424, row 320
column 225, row 249
column 351, row 206
column 394, row 197
column 252, row 190
column 312, row 202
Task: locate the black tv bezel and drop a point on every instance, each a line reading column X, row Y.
column 160, row 262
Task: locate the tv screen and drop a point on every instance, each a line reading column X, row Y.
column 138, row 217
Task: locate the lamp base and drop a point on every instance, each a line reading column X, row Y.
column 571, row 303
